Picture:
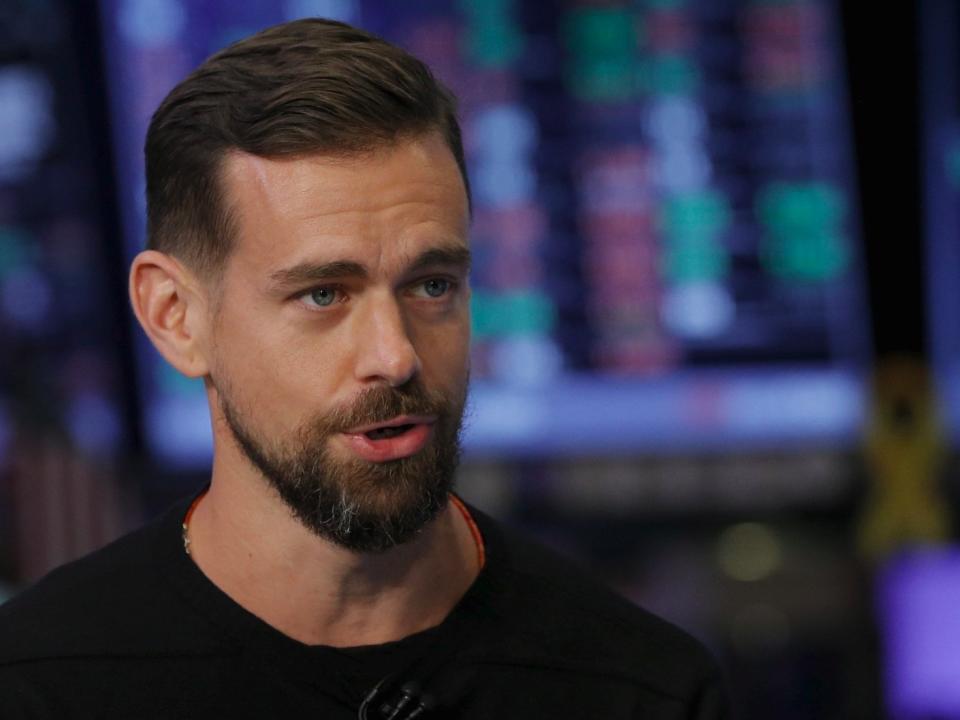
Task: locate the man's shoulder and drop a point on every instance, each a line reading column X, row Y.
column 560, row 614
column 110, row 599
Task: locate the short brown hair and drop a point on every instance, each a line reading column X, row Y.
column 308, row 86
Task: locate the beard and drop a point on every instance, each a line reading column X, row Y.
column 360, row 505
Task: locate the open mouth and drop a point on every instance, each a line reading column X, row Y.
column 400, row 437
column 383, row 433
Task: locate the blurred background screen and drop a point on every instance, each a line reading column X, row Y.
column 667, row 253
column 940, row 100
column 917, row 609
column 62, row 333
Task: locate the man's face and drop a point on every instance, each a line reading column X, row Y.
column 339, row 348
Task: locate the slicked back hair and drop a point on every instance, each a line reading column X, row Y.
column 305, row 87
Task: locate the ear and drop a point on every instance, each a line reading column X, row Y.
column 171, row 306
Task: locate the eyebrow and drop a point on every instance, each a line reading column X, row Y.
column 304, row 273
column 455, row 256
column 311, row 273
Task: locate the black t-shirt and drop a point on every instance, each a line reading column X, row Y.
column 136, row 630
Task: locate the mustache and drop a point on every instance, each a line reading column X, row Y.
column 382, row 403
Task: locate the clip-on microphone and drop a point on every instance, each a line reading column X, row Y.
column 384, row 701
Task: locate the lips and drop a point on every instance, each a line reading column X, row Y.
column 392, row 440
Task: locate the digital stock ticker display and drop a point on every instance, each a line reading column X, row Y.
column 665, row 233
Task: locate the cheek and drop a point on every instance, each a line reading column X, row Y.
column 257, row 364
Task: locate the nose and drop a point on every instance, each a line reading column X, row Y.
column 385, row 349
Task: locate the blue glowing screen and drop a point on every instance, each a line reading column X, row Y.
column 666, row 236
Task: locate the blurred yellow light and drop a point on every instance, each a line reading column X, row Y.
column 749, row 552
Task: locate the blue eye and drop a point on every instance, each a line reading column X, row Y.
column 436, row 287
column 323, row 296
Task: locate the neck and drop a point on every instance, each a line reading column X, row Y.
column 245, row 540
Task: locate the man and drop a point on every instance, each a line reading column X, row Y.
column 308, row 258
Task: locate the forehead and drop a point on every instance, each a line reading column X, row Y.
column 394, row 198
